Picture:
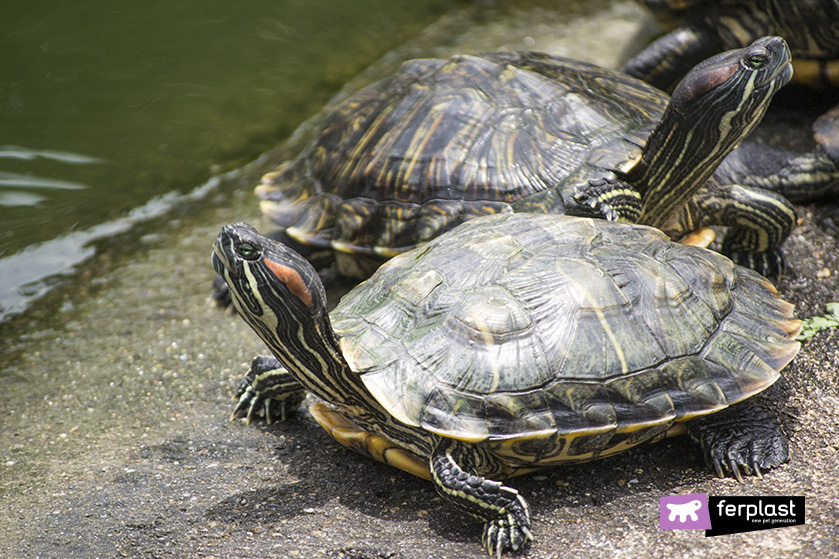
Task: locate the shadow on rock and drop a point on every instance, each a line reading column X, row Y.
column 265, row 505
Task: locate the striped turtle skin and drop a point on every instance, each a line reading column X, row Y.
column 445, row 140
column 702, row 28
column 517, row 342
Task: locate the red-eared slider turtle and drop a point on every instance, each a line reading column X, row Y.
column 705, row 27
column 702, row 28
column 517, row 342
column 446, row 140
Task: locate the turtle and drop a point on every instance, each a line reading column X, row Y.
column 702, row 28
column 442, row 141
column 517, row 342
column 811, row 29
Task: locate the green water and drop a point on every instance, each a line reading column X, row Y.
column 105, row 104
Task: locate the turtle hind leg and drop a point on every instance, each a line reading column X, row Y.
column 505, row 513
column 744, row 436
column 270, row 387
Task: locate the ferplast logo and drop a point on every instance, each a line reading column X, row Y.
column 729, row 515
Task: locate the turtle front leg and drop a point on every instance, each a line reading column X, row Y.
column 609, row 198
column 743, row 436
column 270, row 386
column 505, row 513
column 758, row 222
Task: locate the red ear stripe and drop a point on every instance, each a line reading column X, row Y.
column 695, row 85
column 292, row 279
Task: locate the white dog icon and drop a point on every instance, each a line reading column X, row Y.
column 684, row 510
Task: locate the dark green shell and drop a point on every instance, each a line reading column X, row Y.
column 575, row 336
column 445, row 140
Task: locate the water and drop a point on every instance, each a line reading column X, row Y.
column 111, row 111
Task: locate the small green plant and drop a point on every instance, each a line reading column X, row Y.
column 812, row 325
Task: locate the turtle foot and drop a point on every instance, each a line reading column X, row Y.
column 741, row 439
column 268, row 387
column 606, row 198
column 511, row 531
column 503, row 510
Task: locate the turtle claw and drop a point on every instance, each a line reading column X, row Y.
column 735, row 469
column 267, row 383
column 266, row 409
column 509, row 531
column 756, row 469
column 245, row 401
column 718, row 469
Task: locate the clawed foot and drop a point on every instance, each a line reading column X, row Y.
column 733, row 455
column 511, row 531
column 270, row 387
column 505, row 513
column 609, row 199
column 741, row 439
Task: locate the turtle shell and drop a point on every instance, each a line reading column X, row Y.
column 557, row 338
column 445, row 140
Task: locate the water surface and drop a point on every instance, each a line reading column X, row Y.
column 109, row 107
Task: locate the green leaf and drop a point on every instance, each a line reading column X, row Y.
column 812, row 325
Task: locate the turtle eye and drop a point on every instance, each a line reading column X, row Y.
column 756, row 61
column 248, row 251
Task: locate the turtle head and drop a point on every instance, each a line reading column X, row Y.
column 739, row 82
column 281, row 297
column 271, row 285
column 716, row 105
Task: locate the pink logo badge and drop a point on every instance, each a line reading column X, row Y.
column 684, row 512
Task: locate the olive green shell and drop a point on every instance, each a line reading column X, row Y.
column 575, row 337
column 446, row 140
